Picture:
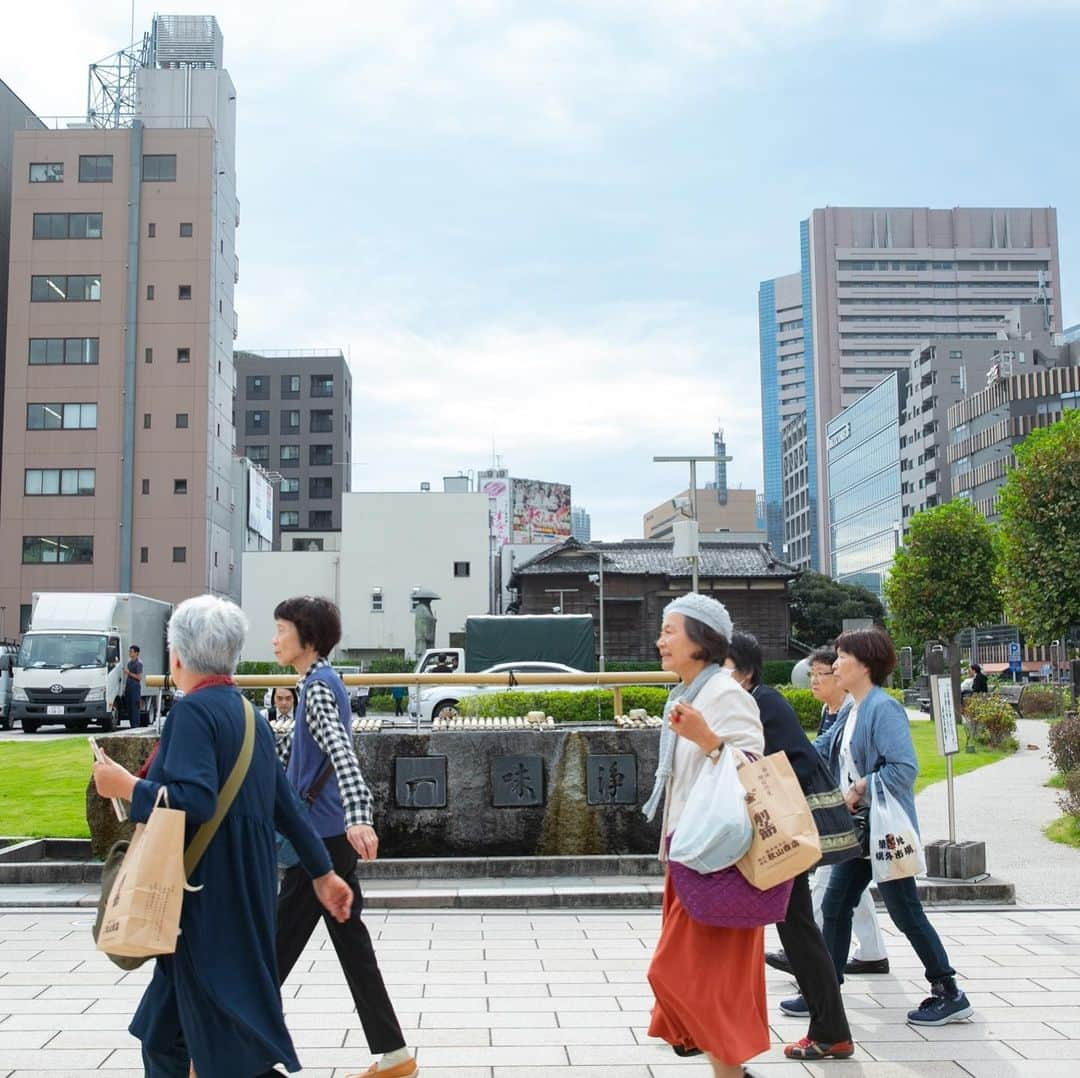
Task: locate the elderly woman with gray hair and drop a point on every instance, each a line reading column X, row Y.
column 709, row 982
column 214, row 1006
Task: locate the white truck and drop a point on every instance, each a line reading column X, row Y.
column 69, row 670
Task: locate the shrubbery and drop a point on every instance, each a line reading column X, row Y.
column 1037, row 701
column 591, row 705
column 990, row 721
column 777, row 671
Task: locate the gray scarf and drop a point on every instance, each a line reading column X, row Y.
column 669, row 739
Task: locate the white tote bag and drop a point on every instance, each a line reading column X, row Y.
column 714, row 829
column 896, row 851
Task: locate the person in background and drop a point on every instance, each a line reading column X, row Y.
column 979, row 681
column 215, row 1004
column 873, row 739
column 870, row 955
column 283, row 704
column 306, row 631
column 708, row 981
column 133, row 688
column 399, row 693
column 829, row 1035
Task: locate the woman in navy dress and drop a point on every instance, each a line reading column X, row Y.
column 215, row 1003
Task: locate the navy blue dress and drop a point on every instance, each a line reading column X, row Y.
column 217, row 998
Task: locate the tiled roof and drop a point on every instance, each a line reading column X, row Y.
column 653, row 557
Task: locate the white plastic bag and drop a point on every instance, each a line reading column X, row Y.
column 714, row 830
column 896, row 851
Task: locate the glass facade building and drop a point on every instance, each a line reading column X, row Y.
column 865, row 506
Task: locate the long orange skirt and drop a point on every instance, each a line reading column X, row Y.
column 709, row 985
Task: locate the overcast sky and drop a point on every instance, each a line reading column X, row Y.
column 537, row 229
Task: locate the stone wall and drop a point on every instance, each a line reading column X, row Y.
column 475, row 793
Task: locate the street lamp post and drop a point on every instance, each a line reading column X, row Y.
column 598, row 578
column 693, row 462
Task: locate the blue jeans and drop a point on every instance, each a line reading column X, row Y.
column 846, row 885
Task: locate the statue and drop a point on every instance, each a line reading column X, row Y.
column 424, row 621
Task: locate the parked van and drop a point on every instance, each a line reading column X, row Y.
column 7, row 664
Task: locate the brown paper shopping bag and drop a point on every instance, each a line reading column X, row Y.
column 141, row 916
column 785, row 839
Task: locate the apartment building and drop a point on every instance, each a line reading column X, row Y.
column 118, row 435
column 795, row 473
column 294, row 418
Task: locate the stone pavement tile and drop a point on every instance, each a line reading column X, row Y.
column 60, row 1073
column 986, row 1011
column 130, row 992
column 851, row 1068
column 605, row 1035
column 544, row 1057
column 80, row 1060
column 1040, row 999
column 788, row 1030
column 565, row 1072
column 552, row 1003
column 1069, row 1029
column 29, row 1038
column 424, row 1038
column 93, row 1038
column 574, row 1019
column 977, row 1029
column 483, row 990
column 1053, row 984
column 958, row 1051
column 1018, row 973
column 1047, row 1049
column 492, row 965
column 18, row 991
column 986, row 1068
column 433, row 1072
column 75, row 1022
column 547, row 976
column 484, row 1020
column 57, row 1006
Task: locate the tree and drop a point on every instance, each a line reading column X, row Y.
column 819, row 606
column 1039, row 534
column 942, row 579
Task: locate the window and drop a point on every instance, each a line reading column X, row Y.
column 58, row 549
column 159, row 168
column 461, row 568
column 257, row 386
column 47, row 172
column 67, row 226
column 146, row 486
column 322, row 385
column 956, row 354
column 181, row 420
column 61, row 417
column 289, row 490
column 290, row 385
column 179, row 486
column 149, row 291
column 321, row 455
column 290, row 456
column 183, row 355
column 66, row 481
column 179, row 553
column 151, row 230
column 257, row 421
column 322, row 422
column 95, row 169
column 57, row 288
column 146, row 421
column 187, row 230
column 52, row 351
column 290, row 421
column 289, row 518
column 148, row 355
column 184, row 292
column 260, row 454
column 144, row 555
column 376, row 600
column 320, row 487
column 320, row 518
column 307, row 545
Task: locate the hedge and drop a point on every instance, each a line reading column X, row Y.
column 777, row 671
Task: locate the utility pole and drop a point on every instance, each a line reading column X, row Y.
column 693, row 462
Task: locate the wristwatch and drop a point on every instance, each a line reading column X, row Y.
column 715, row 753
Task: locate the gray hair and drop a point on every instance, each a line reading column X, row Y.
column 207, row 633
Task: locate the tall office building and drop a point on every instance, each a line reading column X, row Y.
column 580, row 524
column 294, row 419
column 783, row 386
column 118, row 439
column 876, row 282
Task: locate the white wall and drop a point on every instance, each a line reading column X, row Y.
column 403, row 541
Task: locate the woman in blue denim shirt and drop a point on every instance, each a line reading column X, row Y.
column 874, row 737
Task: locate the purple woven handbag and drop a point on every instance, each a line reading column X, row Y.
column 724, row 899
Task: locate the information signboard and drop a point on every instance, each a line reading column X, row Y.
column 941, row 700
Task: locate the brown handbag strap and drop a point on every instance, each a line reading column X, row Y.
column 321, row 780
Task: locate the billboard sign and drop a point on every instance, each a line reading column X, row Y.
column 260, row 505
column 540, row 512
column 496, row 485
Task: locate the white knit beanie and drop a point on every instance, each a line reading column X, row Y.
column 705, row 609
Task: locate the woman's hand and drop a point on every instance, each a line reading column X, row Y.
column 854, row 795
column 688, row 722
column 113, row 780
column 363, row 839
column 335, row 895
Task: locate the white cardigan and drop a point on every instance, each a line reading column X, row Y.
column 732, row 714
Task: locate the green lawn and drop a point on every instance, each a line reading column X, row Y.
column 932, row 766
column 43, row 784
column 43, row 788
column 1065, row 829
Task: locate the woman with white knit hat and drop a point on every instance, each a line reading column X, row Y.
column 709, row 982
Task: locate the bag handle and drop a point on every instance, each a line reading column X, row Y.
column 321, row 780
column 226, row 795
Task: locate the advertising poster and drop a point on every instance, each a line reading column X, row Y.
column 497, row 488
column 260, row 505
column 540, row 511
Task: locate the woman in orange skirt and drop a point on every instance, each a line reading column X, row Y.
column 709, row 982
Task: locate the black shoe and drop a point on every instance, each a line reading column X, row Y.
column 683, row 1052
column 778, row 960
column 857, row 965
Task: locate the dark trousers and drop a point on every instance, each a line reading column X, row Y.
column 813, row 966
column 901, row 898
column 297, row 915
column 399, row 705
column 177, row 1064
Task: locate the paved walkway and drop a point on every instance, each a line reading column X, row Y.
column 1006, row 805
column 551, row 995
